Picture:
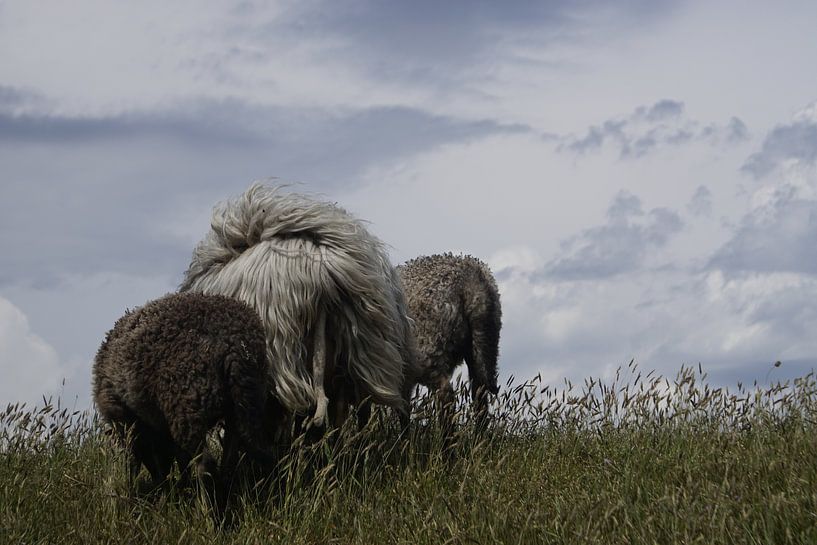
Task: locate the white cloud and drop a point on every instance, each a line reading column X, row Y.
column 517, row 258
column 735, row 327
column 74, row 316
column 777, row 232
column 28, row 364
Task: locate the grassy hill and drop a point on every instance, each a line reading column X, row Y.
column 641, row 459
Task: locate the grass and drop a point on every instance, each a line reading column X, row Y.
column 639, row 459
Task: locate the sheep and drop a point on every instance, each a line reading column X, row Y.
column 169, row 371
column 454, row 304
column 330, row 300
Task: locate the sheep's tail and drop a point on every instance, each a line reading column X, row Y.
column 485, row 322
column 319, row 365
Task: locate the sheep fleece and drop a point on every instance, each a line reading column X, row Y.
column 179, row 364
column 293, row 258
column 454, row 304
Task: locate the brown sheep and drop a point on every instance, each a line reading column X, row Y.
column 169, row 371
column 454, row 304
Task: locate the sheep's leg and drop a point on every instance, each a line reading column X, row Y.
column 479, row 391
column 446, row 404
column 208, row 477
column 405, row 415
column 340, row 405
column 202, row 470
column 151, row 449
column 230, row 456
column 479, row 403
column 481, row 362
column 364, row 413
column 319, row 373
column 126, row 433
column 138, row 442
column 186, row 481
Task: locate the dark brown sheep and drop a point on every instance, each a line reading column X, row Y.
column 454, row 304
column 169, row 371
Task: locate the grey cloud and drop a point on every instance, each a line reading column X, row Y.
column 13, row 99
column 653, row 139
column 55, row 224
column 9, row 97
column 366, row 134
column 439, row 42
column 664, row 223
column 62, row 130
column 787, row 314
column 797, row 141
column 625, row 206
column 662, row 110
column 680, row 136
column 736, row 130
column 777, row 237
column 648, row 128
column 618, row 246
column 701, row 202
column 83, row 195
column 597, row 136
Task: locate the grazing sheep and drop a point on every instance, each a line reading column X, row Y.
column 169, row 371
column 330, row 300
column 454, row 304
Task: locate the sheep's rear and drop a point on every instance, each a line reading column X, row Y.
column 169, row 371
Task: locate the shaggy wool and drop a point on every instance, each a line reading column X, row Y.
column 292, row 257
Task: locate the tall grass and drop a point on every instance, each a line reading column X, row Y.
column 637, row 459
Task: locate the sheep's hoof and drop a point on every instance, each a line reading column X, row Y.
column 321, row 417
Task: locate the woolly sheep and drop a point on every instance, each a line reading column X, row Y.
column 169, row 371
column 329, row 298
column 454, row 304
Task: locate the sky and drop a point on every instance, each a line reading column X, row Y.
column 641, row 176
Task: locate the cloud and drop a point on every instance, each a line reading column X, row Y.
column 394, row 41
column 73, row 319
column 596, row 136
column 792, row 142
column 365, row 53
column 734, row 132
column 662, row 110
column 29, row 365
column 12, row 98
column 357, row 134
column 204, row 127
column 778, row 231
column 701, row 202
column 649, row 128
column 663, row 318
column 620, row 245
column 110, row 193
column 777, row 236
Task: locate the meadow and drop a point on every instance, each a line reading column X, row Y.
column 639, row 459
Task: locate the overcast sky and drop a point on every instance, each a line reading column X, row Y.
column 641, row 176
